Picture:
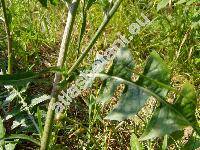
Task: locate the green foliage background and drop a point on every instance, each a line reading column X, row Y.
column 37, row 29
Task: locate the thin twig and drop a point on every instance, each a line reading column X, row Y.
column 182, row 43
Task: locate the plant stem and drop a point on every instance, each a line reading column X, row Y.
column 83, row 27
column 9, row 38
column 9, row 53
column 95, row 37
column 61, row 59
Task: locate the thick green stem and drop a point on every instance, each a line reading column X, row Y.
column 95, row 37
column 61, row 59
column 9, row 37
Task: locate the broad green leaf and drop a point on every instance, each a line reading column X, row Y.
column 23, row 137
column 187, row 103
column 134, row 98
column 162, row 4
column 164, row 121
column 122, row 67
column 17, row 79
column 123, row 64
column 156, row 73
column 2, row 132
column 131, row 101
column 107, row 90
column 129, row 104
column 134, row 142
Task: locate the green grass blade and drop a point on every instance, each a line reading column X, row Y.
column 23, row 137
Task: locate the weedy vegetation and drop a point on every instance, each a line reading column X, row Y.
column 146, row 97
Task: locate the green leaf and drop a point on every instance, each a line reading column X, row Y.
column 54, row 2
column 129, row 104
column 39, row 117
column 107, row 90
column 23, row 137
column 181, row 2
column 164, row 121
column 162, row 4
column 2, row 132
column 14, row 93
column 156, row 73
column 134, row 142
column 39, row 100
column 17, row 79
column 43, row 2
column 123, row 64
column 12, row 114
column 193, row 143
column 19, row 121
column 153, row 82
column 134, row 98
column 187, row 103
column 11, row 97
column 121, row 67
